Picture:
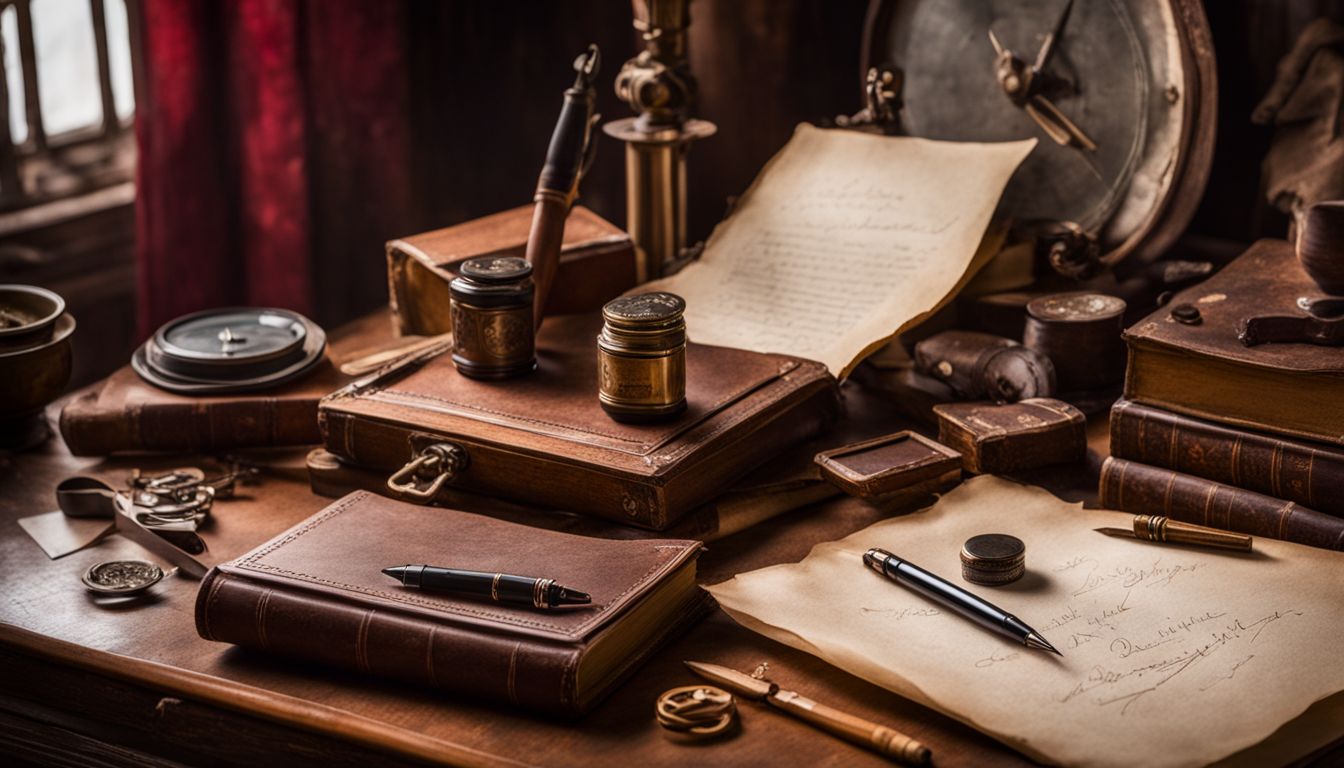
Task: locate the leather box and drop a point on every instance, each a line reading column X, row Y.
column 597, row 264
column 543, row 439
column 1032, row 433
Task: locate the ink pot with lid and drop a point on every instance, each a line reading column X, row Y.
column 491, row 306
column 641, row 357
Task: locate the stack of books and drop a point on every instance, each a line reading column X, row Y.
column 1213, row 432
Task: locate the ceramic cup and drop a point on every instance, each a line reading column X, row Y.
column 1320, row 245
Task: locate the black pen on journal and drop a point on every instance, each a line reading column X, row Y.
column 496, row 587
column 976, row 609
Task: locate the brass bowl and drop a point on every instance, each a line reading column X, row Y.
column 33, row 376
column 28, row 316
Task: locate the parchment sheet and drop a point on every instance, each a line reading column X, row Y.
column 844, row 240
column 1173, row 656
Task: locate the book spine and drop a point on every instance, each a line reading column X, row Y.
column 206, row 426
column 1141, row 489
column 312, row 627
column 1286, row 469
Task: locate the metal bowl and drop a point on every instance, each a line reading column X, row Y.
column 31, row 377
column 28, row 316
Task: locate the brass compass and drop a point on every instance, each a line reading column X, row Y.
column 1121, row 95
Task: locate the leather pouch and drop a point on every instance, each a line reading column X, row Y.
column 543, row 439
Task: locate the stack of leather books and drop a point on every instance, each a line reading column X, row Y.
column 1213, row 432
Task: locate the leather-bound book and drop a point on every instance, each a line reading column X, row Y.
column 1010, row 437
column 597, row 264
column 1200, row 368
column 1143, row 490
column 1311, row 474
column 125, row 413
column 317, row 593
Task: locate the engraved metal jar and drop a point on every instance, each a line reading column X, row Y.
column 641, row 357
column 491, row 306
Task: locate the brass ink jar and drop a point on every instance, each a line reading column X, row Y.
column 641, row 357
column 491, row 306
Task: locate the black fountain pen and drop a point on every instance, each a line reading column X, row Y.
column 498, row 587
column 980, row 611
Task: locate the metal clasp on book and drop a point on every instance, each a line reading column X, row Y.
column 428, row 471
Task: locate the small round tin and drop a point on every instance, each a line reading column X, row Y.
column 641, row 357
column 493, row 329
column 993, row 559
column 122, row 577
column 236, row 349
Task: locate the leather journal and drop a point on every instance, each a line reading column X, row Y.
column 317, row 593
column 543, row 439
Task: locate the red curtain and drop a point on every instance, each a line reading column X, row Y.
column 273, row 161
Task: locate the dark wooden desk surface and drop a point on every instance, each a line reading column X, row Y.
column 130, row 682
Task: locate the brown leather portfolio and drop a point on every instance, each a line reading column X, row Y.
column 543, row 438
column 317, row 593
column 597, row 264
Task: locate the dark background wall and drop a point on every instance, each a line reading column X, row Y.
column 485, row 80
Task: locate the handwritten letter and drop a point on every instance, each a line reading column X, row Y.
column 1173, row 656
column 844, row 240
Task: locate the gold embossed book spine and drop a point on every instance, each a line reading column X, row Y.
column 1138, row 488
column 1292, row 470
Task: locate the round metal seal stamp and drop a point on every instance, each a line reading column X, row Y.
column 122, row 577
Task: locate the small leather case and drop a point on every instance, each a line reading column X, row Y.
column 879, row 467
column 992, row 439
column 543, row 438
column 597, row 264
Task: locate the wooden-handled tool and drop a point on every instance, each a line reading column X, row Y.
column 567, row 159
column 1159, row 528
column 851, row 728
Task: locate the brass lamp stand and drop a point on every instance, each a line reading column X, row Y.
column 658, row 85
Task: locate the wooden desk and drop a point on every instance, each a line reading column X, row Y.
column 130, row 682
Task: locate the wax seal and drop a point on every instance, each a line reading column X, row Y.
column 993, row 559
column 122, row 577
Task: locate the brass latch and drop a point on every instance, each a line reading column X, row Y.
column 428, row 471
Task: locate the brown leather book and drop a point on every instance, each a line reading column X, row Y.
column 597, row 264
column 317, row 593
column 1143, row 490
column 1311, row 474
column 124, row 413
column 1032, row 433
column 543, row 438
column 1203, row 370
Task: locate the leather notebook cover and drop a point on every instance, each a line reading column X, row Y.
column 1203, row 370
column 543, row 438
column 317, row 593
column 125, row 413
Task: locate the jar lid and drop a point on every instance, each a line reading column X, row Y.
column 993, row 558
column 1075, row 307
column 645, row 309
column 495, row 269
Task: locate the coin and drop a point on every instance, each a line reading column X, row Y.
column 122, row 577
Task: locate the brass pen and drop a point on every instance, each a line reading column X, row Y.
column 567, row 159
column 851, row 728
column 1162, row 529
